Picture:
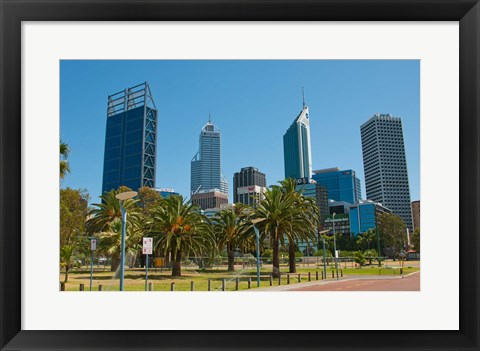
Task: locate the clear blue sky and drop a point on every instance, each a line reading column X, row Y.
column 252, row 102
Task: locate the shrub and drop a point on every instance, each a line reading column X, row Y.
column 359, row 258
column 267, row 253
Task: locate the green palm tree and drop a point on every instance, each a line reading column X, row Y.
column 181, row 230
column 67, row 258
column 229, row 227
column 110, row 241
column 311, row 215
column 105, row 218
column 279, row 215
column 64, row 166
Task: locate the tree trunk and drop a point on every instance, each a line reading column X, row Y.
column 291, row 257
column 176, row 266
column 66, row 274
column 231, row 259
column 275, row 259
column 115, row 265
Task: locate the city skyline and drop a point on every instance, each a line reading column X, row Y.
column 261, row 155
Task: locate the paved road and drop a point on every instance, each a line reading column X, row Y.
column 409, row 283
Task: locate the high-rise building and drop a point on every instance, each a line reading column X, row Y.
column 249, row 186
column 296, row 147
column 131, row 139
column 385, row 165
column 340, row 224
column 209, row 199
column 364, row 216
column 206, row 172
column 166, row 192
column 341, row 185
column 416, row 214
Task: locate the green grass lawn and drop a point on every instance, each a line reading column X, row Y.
column 135, row 278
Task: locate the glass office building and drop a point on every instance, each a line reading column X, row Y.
column 342, row 185
column 131, row 139
column 296, row 147
column 385, row 165
column 206, row 171
column 364, row 216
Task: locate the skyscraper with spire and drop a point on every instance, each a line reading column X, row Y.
column 206, row 172
column 297, row 148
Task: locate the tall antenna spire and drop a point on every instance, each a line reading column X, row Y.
column 209, row 119
column 303, row 97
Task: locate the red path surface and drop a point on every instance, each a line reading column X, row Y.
column 410, row 283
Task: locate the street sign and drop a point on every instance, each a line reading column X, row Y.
column 147, row 246
column 93, row 244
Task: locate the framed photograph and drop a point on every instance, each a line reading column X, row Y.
column 184, row 127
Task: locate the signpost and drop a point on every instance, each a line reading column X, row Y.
column 147, row 250
column 93, row 247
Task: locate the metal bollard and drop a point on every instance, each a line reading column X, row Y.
column 236, row 284
column 309, row 277
column 224, row 283
column 299, row 279
column 150, row 286
column 316, row 275
column 249, row 283
column 62, row 286
column 333, row 274
column 82, row 287
column 341, row 273
column 288, row 278
column 100, row 287
column 192, row 286
column 172, row 286
column 209, row 285
column 271, row 279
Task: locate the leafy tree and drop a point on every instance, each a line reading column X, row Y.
column 181, row 230
column 64, row 165
column 73, row 213
column 148, row 199
column 393, row 233
column 415, row 239
column 365, row 240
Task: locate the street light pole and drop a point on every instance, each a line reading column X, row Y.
column 122, row 197
column 257, row 238
column 335, row 245
column 324, row 253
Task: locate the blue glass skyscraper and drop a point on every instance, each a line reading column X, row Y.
column 206, row 173
column 342, row 185
column 131, row 139
column 296, row 147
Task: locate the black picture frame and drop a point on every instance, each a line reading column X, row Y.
column 13, row 12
